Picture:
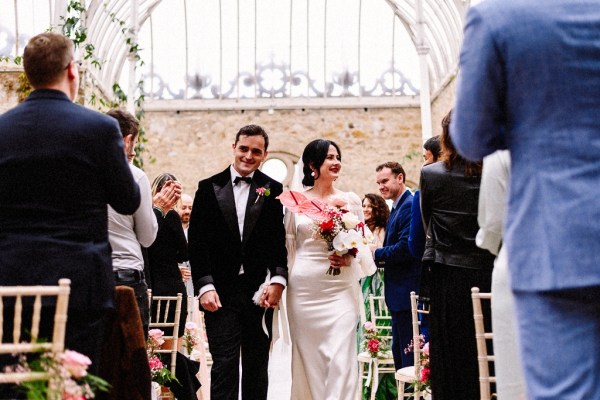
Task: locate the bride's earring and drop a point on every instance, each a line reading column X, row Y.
column 312, row 174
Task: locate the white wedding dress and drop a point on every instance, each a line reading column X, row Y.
column 323, row 313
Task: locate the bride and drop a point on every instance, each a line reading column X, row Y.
column 323, row 309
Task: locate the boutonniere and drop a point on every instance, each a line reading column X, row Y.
column 262, row 191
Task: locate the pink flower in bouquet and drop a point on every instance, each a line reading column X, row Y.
column 191, row 326
column 369, row 326
column 425, row 349
column 75, row 363
column 155, row 363
column 337, row 202
column 425, row 375
column 156, row 336
column 373, row 345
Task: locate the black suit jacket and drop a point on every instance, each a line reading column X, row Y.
column 60, row 165
column 216, row 249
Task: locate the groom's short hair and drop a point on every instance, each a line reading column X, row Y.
column 45, row 58
column 252, row 130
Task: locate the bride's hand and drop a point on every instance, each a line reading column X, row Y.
column 340, row 261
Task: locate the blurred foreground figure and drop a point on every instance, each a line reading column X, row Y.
column 530, row 78
column 60, row 165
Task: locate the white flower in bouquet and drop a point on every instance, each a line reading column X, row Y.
column 352, row 239
column 350, row 220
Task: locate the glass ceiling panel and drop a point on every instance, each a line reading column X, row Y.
column 276, row 48
column 252, row 49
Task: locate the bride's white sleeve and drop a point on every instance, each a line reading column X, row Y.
column 290, row 238
column 363, row 265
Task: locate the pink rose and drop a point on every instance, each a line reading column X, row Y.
column 369, row 326
column 156, row 336
column 425, row 348
column 337, row 202
column 191, row 326
column 76, row 363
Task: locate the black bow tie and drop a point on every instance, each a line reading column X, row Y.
column 238, row 179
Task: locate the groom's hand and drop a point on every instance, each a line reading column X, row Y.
column 272, row 295
column 210, row 301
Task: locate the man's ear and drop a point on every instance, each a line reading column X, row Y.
column 127, row 140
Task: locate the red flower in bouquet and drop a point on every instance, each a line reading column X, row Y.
column 326, row 227
column 373, row 345
column 423, row 383
column 425, row 375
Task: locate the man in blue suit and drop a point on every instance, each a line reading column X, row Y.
column 530, row 83
column 401, row 270
column 60, row 165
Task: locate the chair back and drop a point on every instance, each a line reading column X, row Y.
column 380, row 316
column 159, row 319
column 417, row 310
column 482, row 339
column 19, row 344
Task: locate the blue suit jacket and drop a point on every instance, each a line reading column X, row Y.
column 60, row 165
column 402, row 271
column 530, row 82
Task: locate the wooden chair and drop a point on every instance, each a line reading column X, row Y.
column 482, row 337
column 408, row 375
column 381, row 318
column 160, row 307
column 56, row 344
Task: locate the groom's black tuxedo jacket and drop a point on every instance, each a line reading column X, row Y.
column 216, row 249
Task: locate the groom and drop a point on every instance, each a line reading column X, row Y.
column 236, row 237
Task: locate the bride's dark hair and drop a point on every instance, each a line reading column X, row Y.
column 313, row 156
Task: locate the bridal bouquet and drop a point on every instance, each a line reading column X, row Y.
column 341, row 229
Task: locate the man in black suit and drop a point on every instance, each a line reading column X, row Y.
column 236, row 242
column 60, row 165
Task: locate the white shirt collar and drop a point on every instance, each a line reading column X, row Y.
column 234, row 173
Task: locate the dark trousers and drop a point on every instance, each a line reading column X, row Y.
column 235, row 328
column 401, row 337
column 141, row 296
column 452, row 346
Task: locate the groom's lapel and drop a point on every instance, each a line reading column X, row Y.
column 226, row 201
column 254, row 206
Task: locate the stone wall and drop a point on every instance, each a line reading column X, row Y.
column 9, row 84
column 196, row 144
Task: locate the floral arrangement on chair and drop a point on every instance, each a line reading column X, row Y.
column 423, row 383
column 377, row 346
column 69, row 379
column 190, row 337
column 159, row 373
